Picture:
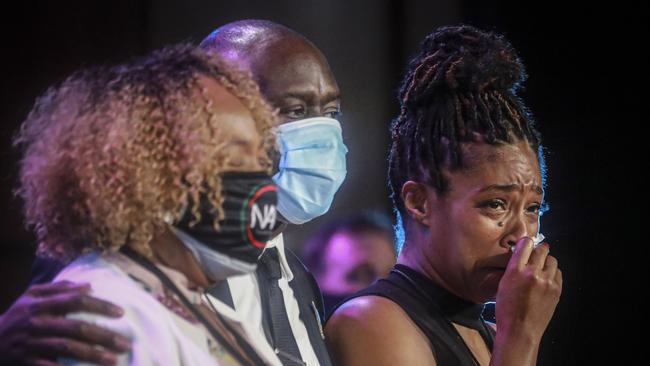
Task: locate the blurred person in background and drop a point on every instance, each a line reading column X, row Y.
column 349, row 254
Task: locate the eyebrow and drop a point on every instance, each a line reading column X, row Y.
column 509, row 188
column 307, row 94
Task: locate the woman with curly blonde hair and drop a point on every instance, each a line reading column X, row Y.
column 146, row 176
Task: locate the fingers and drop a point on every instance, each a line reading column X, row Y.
column 550, row 266
column 558, row 278
column 67, row 348
column 77, row 302
column 522, row 252
column 538, row 256
column 59, row 287
column 81, row 331
column 545, row 264
column 40, row 362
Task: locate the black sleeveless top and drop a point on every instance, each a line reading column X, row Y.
column 434, row 309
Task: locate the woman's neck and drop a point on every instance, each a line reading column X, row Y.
column 417, row 260
column 171, row 252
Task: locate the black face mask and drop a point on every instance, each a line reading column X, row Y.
column 250, row 201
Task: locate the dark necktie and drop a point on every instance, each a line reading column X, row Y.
column 269, row 273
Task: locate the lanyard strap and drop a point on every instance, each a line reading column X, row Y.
column 242, row 359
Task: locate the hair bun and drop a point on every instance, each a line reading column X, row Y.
column 471, row 60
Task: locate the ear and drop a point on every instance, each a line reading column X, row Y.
column 416, row 201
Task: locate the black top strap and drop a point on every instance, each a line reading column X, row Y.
column 454, row 308
column 431, row 309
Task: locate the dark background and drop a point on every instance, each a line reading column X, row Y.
column 587, row 89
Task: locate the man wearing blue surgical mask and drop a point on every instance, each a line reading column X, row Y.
column 281, row 299
column 294, row 77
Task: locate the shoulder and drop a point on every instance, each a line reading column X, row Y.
column 305, row 283
column 148, row 324
column 373, row 314
column 95, row 270
column 375, row 330
column 107, row 281
column 110, row 283
column 301, row 275
column 294, row 262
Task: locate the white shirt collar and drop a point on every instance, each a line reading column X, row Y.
column 278, row 242
column 257, row 340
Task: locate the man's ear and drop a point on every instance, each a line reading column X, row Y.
column 415, row 198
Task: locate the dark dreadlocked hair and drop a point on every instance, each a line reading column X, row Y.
column 461, row 84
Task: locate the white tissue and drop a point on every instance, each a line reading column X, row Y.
column 537, row 240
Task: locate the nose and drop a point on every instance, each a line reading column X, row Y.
column 314, row 112
column 516, row 228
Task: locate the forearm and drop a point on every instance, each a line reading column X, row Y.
column 514, row 350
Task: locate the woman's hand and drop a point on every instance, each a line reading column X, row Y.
column 528, row 293
column 34, row 330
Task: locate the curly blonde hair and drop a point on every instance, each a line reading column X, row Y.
column 111, row 154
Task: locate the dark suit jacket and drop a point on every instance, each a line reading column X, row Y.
column 44, row 270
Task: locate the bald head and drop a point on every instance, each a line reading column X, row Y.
column 292, row 73
column 243, row 39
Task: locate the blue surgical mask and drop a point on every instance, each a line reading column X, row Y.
column 312, row 167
